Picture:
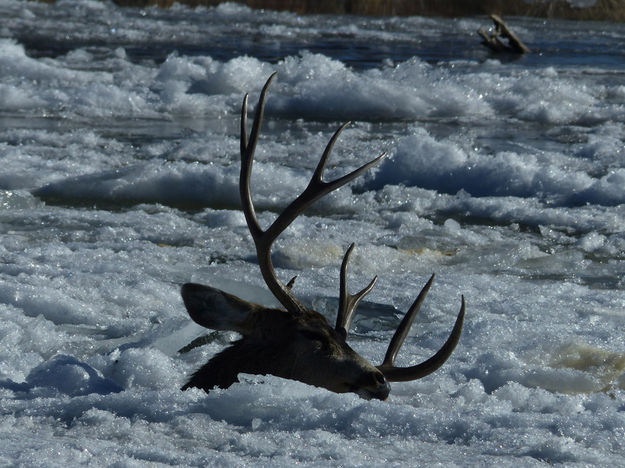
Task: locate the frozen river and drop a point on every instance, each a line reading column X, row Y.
column 505, row 176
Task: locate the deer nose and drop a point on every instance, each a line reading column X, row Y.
column 383, row 389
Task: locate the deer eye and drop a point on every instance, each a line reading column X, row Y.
column 369, row 379
column 313, row 334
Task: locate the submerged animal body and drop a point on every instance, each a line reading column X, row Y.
column 296, row 342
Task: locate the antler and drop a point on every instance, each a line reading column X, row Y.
column 349, row 302
column 347, row 306
column 403, row 374
column 317, row 188
column 299, row 344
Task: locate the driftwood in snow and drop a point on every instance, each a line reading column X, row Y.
column 491, row 38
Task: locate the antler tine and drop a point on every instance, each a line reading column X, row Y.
column 247, row 157
column 348, row 302
column 404, row 327
column 402, row 374
column 316, row 189
column 262, row 240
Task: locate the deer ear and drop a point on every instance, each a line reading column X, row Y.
column 216, row 309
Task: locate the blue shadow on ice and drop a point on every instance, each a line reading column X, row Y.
column 66, row 375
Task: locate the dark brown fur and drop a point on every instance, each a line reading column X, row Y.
column 299, row 347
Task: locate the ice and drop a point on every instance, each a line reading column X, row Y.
column 68, row 376
column 421, row 160
column 119, row 141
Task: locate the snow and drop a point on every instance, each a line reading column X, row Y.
column 119, row 143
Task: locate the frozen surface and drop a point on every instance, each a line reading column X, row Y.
column 119, row 149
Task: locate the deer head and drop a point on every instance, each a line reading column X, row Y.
column 296, row 342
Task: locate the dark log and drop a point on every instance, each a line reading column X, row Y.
column 492, row 41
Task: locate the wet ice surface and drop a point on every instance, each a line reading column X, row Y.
column 119, row 144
